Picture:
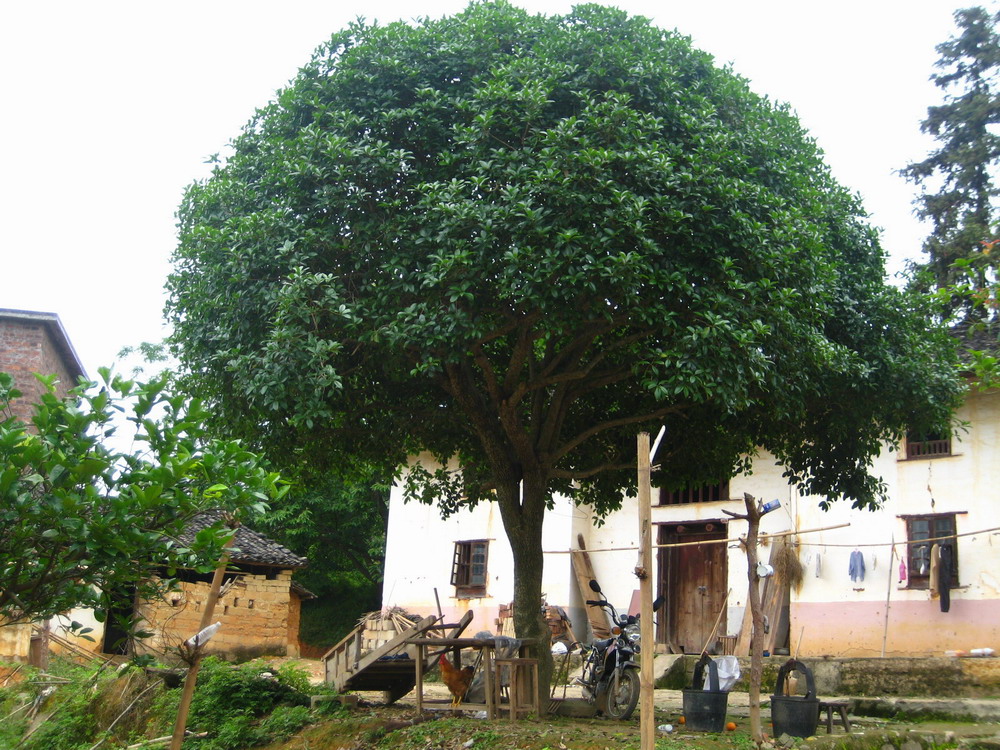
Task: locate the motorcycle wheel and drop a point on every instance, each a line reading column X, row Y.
column 619, row 700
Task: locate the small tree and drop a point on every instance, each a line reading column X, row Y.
column 958, row 179
column 83, row 513
column 513, row 241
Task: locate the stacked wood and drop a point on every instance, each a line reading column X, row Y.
column 382, row 626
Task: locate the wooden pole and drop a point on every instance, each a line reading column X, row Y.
column 644, row 571
column 180, row 725
column 711, row 636
column 752, row 517
column 888, row 593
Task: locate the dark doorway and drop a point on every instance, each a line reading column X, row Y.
column 693, row 583
column 117, row 621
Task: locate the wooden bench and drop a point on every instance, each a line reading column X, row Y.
column 841, row 708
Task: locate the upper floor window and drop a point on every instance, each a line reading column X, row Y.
column 936, row 529
column 468, row 568
column 699, row 493
column 927, row 445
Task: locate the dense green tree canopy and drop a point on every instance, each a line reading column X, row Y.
column 958, row 177
column 516, row 240
column 85, row 512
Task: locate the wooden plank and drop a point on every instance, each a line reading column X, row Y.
column 770, row 606
column 584, row 575
column 397, row 642
column 774, row 595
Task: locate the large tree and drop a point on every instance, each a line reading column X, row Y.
column 958, row 178
column 96, row 488
column 513, row 241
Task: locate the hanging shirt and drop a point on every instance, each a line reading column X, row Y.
column 933, row 582
column 856, row 568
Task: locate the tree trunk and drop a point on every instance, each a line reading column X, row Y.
column 522, row 507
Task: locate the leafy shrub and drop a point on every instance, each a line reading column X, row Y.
column 285, row 721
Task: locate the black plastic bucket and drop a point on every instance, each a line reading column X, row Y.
column 705, row 710
column 795, row 715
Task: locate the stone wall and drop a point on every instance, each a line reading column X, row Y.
column 255, row 612
column 931, row 677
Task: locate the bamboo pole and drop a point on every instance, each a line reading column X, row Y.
column 192, row 676
column 888, row 595
column 711, row 636
column 644, row 571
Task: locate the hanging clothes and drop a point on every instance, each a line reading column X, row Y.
column 902, row 570
column 944, row 577
column 856, row 566
column 933, row 579
column 819, row 565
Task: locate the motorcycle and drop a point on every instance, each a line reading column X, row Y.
column 610, row 677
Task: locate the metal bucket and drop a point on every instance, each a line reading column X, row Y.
column 795, row 715
column 705, row 710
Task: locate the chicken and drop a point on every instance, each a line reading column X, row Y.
column 457, row 680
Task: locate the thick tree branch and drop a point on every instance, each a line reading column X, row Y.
column 614, row 423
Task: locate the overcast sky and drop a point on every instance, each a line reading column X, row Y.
column 111, row 108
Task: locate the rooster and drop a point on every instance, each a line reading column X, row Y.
column 457, row 680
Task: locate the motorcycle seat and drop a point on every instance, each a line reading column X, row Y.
column 603, row 643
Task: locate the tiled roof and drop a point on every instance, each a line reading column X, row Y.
column 978, row 335
column 249, row 546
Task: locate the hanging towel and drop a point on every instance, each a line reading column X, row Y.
column 856, row 567
column 933, row 582
column 944, row 577
column 902, row 570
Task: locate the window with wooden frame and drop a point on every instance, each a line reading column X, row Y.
column 927, row 445
column 468, row 568
column 700, row 493
column 935, row 529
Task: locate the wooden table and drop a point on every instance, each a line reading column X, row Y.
column 486, row 647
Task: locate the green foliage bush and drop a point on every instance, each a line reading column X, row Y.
column 240, row 706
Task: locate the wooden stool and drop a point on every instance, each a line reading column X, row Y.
column 523, row 690
column 841, row 708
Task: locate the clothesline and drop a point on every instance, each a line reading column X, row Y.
column 905, row 544
column 765, row 537
column 731, row 540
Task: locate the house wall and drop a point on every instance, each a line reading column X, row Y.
column 845, row 618
column 15, row 642
column 829, row 613
column 420, row 545
column 255, row 614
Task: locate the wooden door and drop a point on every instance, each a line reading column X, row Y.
column 693, row 581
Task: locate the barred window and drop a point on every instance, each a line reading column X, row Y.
column 700, row 493
column 927, row 445
column 931, row 527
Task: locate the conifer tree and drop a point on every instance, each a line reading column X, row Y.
column 959, row 190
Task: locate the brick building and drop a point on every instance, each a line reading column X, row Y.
column 259, row 608
column 36, row 342
column 33, row 342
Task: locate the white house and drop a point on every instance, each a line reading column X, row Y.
column 936, row 488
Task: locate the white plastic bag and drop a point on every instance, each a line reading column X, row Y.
column 729, row 672
column 559, row 648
